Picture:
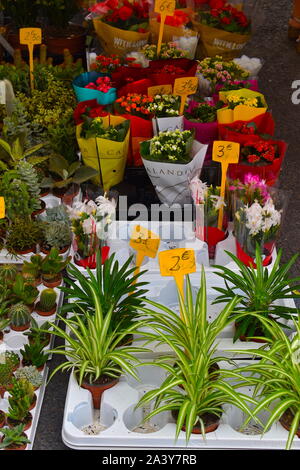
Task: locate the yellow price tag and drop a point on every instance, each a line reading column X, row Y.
column 164, row 8
column 177, row 263
column 31, row 37
column 160, row 90
column 184, row 87
column 145, row 243
column 2, row 208
column 225, row 152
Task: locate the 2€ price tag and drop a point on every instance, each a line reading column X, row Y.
column 2, row 208
column 144, row 241
column 185, row 86
column 224, row 151
column 31, row 36
column 160, row 90
column 165, row 7
column 177, row 262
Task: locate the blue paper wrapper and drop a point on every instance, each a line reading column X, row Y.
column 84, row 94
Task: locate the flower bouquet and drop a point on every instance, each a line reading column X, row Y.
column 134, row 107
column 259, row 157
column 167, row 51
column 240, row 131
column 108, row 64
column 90, row 224
column 207, row 203
column 202, row 117
column 165, row 71
column 242, row 105
column 171, row 159
column 94, row 85
column 224, row 30
column 165, row 109
column 121, row 26
column 103, row 142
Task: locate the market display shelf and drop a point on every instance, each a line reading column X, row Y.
column 119, row 425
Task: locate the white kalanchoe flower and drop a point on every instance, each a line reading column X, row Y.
column 89, row 225
column 105, row 206
column 218, row 201
column 254, row 218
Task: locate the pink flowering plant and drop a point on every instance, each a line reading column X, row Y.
column 220, row 72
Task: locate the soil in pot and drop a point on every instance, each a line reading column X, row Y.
column 72, row 38
column 2, row 418
column 210, row 420
column 14, row 447
column 43, row 313
column 286, row 421
column 55, row 282
column 27, row 422
column 98, row 387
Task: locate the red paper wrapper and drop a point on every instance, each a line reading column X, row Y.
column 140, row 130
column 189, row 66
column 269, row 172
column 127, row 75
column 248, row 260
column 91, row 261
column 265, row 125
column 96, row 110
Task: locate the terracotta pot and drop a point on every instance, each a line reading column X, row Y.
column 31, row 307
column 244, row 338
column 75, row 42
column 97, row 390
column 27, row 421
column 33, row 404
column 42, row 313
column 20, row 328
column 45, row 192
column 40, row 369
column 2, row 418
column 54, row 283
column 61, row 252
column 211, row 423
column 11, row 447
column 39, row 211
column 286, row 421
column 27, row 251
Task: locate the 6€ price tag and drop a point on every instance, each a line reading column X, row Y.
column 2, row 208
column 224, row 151
column 160, row 90
column 165, row 7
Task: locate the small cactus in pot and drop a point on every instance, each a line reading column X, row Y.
column 8, row 273
column 20, row 317
column 6, row 376
column 47, row 303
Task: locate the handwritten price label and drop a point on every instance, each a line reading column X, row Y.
column 30, row 36
column 160, row 90
column 2, row 208
column 145, row 241
column 185, row 86
column 177, row 262
column 224, row 151
column 165, row 7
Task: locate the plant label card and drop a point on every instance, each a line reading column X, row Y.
column 160, row 90
column 145, row 243
column 177, row 263
column 184, row 87
column 164, row 8
column 2, row 208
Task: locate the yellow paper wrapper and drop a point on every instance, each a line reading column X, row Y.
column 107, row 156
column 239, row 113
column 118, row 41
column 219, row 42
column 242, row 93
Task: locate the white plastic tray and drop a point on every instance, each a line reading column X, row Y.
column 122, row 422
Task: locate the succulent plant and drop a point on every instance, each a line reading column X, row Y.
column 11, row 358
column 23, row 234
column 24, row 292
column 28, row 175
column 57, row 234
column 56, row 214
column 18, row 201
column 31, row 374
column 33, row 354
column 13, row 437
column 53, row 264
column 19, row 315
column 47, row 300
column 8, row 273
column 40, row 334
column 33, row 268
column 20, row 398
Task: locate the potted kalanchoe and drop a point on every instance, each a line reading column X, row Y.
column 165, row 112
column 14, row 438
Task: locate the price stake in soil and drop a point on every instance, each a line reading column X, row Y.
column 145, row 243
column 164, row 8
column 177, row 263
column 160, row 90
column 184, row 87
column 31, row 37
column 225, row 152
column 2, row 208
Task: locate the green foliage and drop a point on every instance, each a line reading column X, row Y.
column 23, row 234
column 47, row 300
column 33, row 267
column 19, row 315
column 6, row 374
column 54, row 264
column 14, row 153
column 18, row 201
column 57, row 234
column 13, row 437
column 259, row 290
column 23, row 12
column 31, row 374
column 56, row 214
column 40, row 334
column 33, row 354
column 11, row 358
column 116, row 286
column 20, row 398
column 29, row 176
column 8, row 273
column 69, row 173
column 23, row 292
column 59, row 12
column 62, row 138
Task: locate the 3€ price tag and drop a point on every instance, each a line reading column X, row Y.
column 144, row 241
column 31, row 36
column 160, row 90
column 2, row 208
column 165, row 7
column 177, row 262
column 226, row 152
column 185, row 86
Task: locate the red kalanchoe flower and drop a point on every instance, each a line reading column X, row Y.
column 253, row 158
column 125, row 13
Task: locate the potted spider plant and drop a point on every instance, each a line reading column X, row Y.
column 194, row 389
column 277, row 378
column 93, row 350
column 259, row 291
column 14, row 438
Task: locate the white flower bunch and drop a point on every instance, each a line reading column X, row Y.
column 252, row 65
column 261, row 218
column 201, row 193
column 164, row 105
column 80, row 208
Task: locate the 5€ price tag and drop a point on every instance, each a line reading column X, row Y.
column 177, row 262
column 2, row 208
column 160, row 90
column 31, row 36
column 224, row 151
column 144, row 241
column 165, row 7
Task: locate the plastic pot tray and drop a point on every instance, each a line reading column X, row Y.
column 121, row 424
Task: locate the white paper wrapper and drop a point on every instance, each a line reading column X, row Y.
column 171, row 180
column 167, row 124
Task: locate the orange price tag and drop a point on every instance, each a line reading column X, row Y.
column 31, row 37
column 225, row 152
column 160, row 90
column 145, row 243
column 2, row 208
column 165, row 7
column 177, row 263
column 184, row 87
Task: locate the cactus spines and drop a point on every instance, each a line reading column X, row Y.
column 20, row 317
column 47, row 300
column 31, row 374
column 6, row 376
column 8, row 273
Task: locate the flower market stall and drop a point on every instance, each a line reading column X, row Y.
column 140, row 212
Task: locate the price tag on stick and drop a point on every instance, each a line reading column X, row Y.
column 145, row 243
column 31, row 37
column 177, row 263
column 2, row 208
column 184, row 87
column 225, row 152
column 160, row 90
column 164, row 8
